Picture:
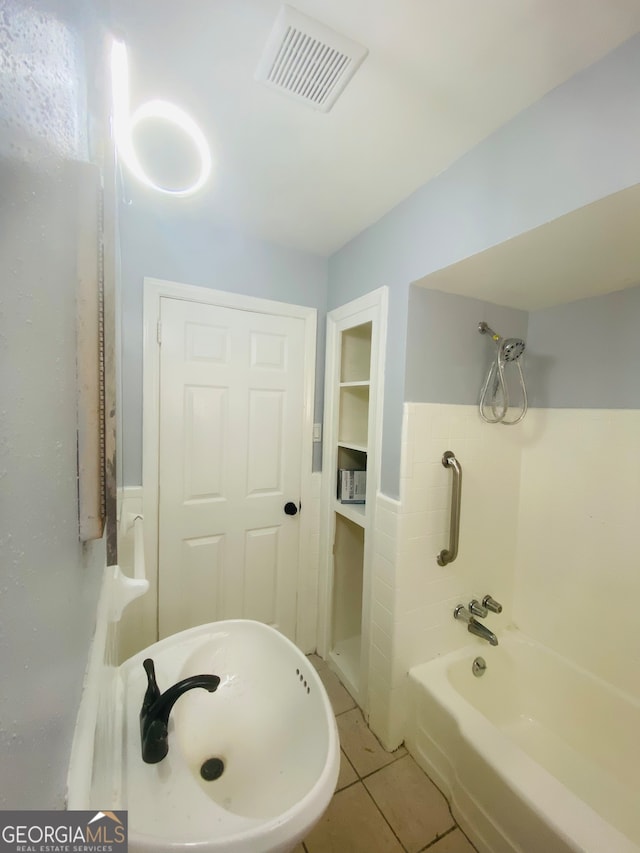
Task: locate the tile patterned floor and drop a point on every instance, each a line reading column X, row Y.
column 383, row 803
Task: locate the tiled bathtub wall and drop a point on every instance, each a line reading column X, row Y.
column 414, row 597
column 549, row 527
column 427, row 593
column 577, row 578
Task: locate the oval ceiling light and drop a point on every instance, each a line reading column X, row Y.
column 124, row 124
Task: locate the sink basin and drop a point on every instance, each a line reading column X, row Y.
column 266, row 741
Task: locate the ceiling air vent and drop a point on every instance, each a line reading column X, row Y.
column 308, row 61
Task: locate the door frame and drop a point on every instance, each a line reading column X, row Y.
column 154, row 290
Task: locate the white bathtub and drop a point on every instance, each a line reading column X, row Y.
column 536, row 755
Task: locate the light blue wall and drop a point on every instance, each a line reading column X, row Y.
column 583, row 354
column 574, row 146
column 172, row 242
column 48, row 582
column 586, row 354
column 447, row 358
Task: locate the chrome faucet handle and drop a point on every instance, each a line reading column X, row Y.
column 461, row 612
column 477, row 609
column 491, row 604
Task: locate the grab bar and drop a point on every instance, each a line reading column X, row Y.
column 448, row 555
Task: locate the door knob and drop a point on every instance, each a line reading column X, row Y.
column 290, row 508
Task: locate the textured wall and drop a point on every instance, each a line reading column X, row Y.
column 41, row 109
column 48, row 582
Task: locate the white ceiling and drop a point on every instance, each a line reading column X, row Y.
column 441, row 75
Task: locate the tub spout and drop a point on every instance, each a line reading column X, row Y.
column 473, row 626
column 480, row 630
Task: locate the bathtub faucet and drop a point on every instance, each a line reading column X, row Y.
column 473, row 626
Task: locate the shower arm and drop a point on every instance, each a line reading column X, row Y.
column 448, row 555
column 484, row 329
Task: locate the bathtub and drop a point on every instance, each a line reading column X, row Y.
column 535, row 756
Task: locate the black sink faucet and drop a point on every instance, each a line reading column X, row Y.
column 156, row 707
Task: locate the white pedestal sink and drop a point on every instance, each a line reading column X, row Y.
column 269, row 728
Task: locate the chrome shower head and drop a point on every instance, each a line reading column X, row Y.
column 512, row 348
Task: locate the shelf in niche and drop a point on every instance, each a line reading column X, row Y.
column 364, row 383
column 357, row 513
column 352, row 445
column 354, row 414
column 355, row 359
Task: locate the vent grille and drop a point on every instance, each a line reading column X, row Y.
column 307, row 60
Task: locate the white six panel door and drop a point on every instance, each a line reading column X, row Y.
column 231, row 408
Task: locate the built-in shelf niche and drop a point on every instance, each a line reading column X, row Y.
column 355, row 360
column 353, row 423
column 353, row 418
column 352, row 459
